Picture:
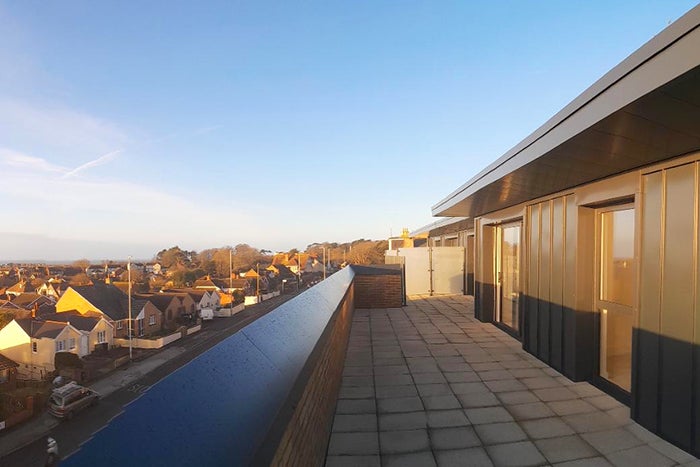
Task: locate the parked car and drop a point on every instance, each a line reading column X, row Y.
column 68, row 399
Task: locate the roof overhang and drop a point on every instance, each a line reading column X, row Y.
column 643, row 111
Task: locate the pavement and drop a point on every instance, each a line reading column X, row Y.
column 429, row 385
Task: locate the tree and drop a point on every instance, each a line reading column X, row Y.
column 222, row 260
column 175, row 256
column 83, row 264
column 63, row 360
column 80, row 279
column 245, row 257
column 368, row 252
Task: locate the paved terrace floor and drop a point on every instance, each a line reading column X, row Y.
column 429, row 385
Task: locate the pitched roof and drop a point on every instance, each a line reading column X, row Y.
column 280, row 258
column 27, row 300
column 106, row 298
column 6, row 363
column 196, row 294
column 160, row 301
column 41, row 329
column 283, row 271
column 75, row 319
column 240, row 283
column 205, row 283
column 8, row 305
column 19, row 287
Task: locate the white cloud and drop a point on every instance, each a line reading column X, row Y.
column 42, row 198
column 22, row 161
column 28, row 125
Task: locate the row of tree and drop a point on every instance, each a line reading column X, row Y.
column 186, row 266
column 218, row 261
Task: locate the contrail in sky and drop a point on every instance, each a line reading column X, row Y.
column 93, row 163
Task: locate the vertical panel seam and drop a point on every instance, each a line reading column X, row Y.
column 551, row 261
column 694, row 379
column 563, row 277
column 662, row 256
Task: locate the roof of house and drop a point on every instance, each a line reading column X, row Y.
column 251, row 273
column 75, row 319
column 240, row 283
column 8, row 305
column 196, row 294
column 160, row 301
column 284, row 271
column 106, row 298
column 280, row 258
column 6, row 363
column 19, row 287
column 205, row 283
column 122, row 285
column 27, row 300
column 137, row 304
column 41, row 329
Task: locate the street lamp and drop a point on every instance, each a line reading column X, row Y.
column 230, row 277
column 128, row 269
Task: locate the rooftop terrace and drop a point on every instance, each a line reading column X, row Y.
column 427, row 384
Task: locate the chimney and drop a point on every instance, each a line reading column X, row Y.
column 35, row 308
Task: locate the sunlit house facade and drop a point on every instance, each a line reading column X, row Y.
column 586, row 235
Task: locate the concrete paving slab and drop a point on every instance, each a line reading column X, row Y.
column 465, row 393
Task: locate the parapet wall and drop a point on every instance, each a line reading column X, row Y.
column 264, row 396
column 379, row 287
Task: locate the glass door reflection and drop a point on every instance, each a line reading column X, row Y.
column 509, row 275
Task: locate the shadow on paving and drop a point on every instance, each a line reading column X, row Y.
column 428, row 384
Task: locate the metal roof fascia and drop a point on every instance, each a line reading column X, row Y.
column 662, row 41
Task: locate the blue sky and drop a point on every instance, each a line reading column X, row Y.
column 127, row 127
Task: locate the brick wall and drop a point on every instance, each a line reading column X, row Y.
column 378, row 291
column 305, row 438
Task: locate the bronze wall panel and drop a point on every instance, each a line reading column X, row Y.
column 544, row 332
column 678, row 276
column 557, row 279
column 533, row 249
column 651, row 246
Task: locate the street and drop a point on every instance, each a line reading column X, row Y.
column 70, row 434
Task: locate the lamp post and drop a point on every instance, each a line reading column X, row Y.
column 257, row 280
column 128, row 269
column 324, row 263
column 230, row 277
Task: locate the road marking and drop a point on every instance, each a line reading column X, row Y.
column 138, row 388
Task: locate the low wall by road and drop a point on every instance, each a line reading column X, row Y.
column 252, row 299
column 142, row 343
column 228, row 312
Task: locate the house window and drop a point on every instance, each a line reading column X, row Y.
column 60, row 346
column 101, row 337
column 71, row 343
column 170, row 315
column 120, row 324
column 34, row 348
column 152, row 320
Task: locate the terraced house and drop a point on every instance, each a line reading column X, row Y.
column 585, row 235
